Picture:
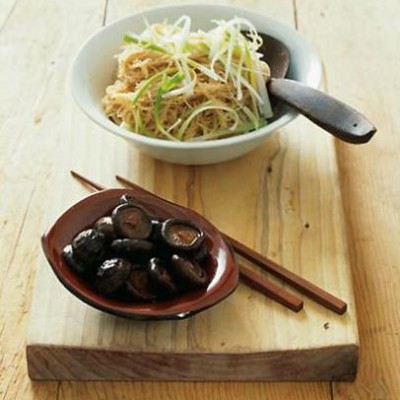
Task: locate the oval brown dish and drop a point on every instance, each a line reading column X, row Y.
column 222, row 270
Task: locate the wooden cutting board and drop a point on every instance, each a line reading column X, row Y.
column 283, row 200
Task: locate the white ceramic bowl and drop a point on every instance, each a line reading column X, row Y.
column 94, row 68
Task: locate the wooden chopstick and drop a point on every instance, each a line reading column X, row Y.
column 285, row 298
column 269, row 289
column 87, row 181
column 317, row 294
column 302, row 285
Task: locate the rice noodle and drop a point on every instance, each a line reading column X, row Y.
column 191, row 86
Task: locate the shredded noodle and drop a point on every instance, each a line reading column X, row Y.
column 190, row 86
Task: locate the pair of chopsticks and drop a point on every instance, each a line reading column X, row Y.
column 253, row 279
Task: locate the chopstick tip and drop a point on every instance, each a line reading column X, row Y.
column 86, row 181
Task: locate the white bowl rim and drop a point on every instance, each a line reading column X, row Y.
column 216, row 143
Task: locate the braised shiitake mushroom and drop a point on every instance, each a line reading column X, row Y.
column 77, row 265
column 88, row 246
column 161, row 277
column 135, row 249
column 128, row 199
column 188, row 271
column 134, row 256
column 106, row 227
column 182, row 235
column 112, row 275
column 131, row 221
column 138, row 285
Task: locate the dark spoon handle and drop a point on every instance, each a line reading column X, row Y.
column 330, row 114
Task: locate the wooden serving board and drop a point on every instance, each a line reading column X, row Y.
column 283, row 200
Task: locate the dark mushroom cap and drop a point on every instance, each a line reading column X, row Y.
column 112, row 275
column 73, row 262
column 188, row 271
column 156, row 230
column 181, row 234
column 160, row 276
column 131, row 221
column 106, row 227
column 89, row 246
column 138, row 285
column 134, row 249
column 201, row 254
column 128, row 199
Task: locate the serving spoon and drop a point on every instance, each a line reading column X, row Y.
column 332, row 115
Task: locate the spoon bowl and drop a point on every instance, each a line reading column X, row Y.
column 222, row 270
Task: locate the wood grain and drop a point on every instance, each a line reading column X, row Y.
column 197, row 390
column 47, row 363
column 370, row 177
column 51, row 33
column 279, row 187
column 36, row 45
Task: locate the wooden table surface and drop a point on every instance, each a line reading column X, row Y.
column 358, row 42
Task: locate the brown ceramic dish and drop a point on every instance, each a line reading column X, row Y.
column 222, row 271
